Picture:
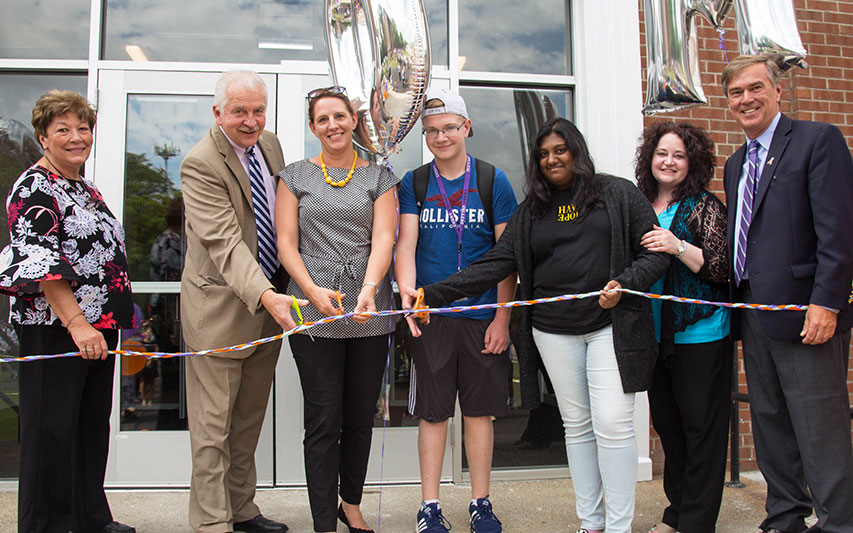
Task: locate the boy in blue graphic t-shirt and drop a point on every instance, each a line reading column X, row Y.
column 465, row 353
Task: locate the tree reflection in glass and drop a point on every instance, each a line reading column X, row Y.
column 160, row 131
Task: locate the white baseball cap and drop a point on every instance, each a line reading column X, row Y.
column 453, row 103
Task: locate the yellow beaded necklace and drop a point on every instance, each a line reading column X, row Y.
column 344, row 181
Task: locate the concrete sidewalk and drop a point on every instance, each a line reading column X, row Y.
column 522, row 506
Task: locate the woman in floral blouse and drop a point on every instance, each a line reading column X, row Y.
column 66, row 270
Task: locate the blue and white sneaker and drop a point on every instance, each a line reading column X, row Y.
column 483, row 520
column 430, row 520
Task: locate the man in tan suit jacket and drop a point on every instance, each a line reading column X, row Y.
column 227, row 299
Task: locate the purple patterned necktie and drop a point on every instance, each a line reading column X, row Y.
column 746, row 210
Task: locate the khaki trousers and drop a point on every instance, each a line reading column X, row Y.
column 226, row 402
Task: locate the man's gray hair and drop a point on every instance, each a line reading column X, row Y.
column 243, row 79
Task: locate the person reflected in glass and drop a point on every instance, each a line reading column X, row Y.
column 165, row 264
column 66, row 270
column 163, row 325
column 689, row 397
column 336, row 220
column 579, row 231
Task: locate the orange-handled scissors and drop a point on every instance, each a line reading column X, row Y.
column 340, row 302
column 419, row 303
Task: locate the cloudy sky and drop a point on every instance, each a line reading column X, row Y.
column 230, row 31
column 20, row 92
column 52, row 29
column 491, row 39
column 154, row 120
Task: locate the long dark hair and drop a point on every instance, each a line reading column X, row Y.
column 586, row 186
column 700, row 159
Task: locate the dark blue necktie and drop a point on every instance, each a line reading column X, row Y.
column 266, row 231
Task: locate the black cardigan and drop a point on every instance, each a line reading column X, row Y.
column 631, row 264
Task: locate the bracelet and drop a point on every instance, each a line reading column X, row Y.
column 370, row 284
column 682, row 248
column 70, row 320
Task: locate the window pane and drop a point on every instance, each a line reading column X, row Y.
column 18, row 150
column 48, row 29
column 501, row 118
column 251, row 31
column 437, row 22
column 491, row 39
column 161, row 129
column 152, row 390
column 392, row 409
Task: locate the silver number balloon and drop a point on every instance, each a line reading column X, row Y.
column 673, row 80
column 770, row 26
column 379, row 51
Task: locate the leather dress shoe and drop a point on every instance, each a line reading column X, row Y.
column 775, row 530
column 259, row 524
column 116, row 527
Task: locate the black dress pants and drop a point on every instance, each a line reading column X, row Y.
column 341, row 380
column 65, row 408
column 689, row 402
column 800, row 411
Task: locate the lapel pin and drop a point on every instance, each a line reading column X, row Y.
column 771, row 161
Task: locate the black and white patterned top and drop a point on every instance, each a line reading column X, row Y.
column 335, row 230
column 62, row 229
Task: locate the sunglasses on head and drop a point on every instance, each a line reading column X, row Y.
column 325, row 91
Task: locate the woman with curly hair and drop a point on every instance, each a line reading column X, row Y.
column 691, row 385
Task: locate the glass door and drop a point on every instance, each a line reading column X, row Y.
column 148, row 121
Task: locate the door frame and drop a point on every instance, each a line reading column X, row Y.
column 171, row 449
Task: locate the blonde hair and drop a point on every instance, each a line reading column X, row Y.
column 433, row 103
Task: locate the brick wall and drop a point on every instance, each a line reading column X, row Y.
column 822, row 92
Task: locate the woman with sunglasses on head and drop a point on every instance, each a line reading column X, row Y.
column 336, row 220
column 578, row 231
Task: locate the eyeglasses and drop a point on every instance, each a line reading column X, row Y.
column 326, row 91
column 432, row 133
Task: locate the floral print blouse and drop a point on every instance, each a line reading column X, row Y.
column 62, row 229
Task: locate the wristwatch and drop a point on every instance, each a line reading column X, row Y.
column 682, row 247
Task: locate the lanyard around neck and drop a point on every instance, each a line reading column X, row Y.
column 457, row 223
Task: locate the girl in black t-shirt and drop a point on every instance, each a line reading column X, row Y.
column 578, row 231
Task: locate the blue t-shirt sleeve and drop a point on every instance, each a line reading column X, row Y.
column 503, row 198
column 408, row 205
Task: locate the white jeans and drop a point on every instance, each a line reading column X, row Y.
column 599, row 422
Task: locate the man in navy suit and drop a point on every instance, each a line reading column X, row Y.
column 790, row 199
